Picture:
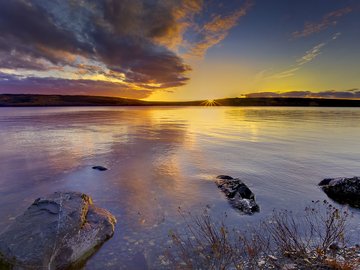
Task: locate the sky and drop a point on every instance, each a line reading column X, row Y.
column 181, row 49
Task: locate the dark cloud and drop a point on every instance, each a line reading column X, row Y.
column 26, row 28
column 124, row 42
column 349, row 94
column 120, row 35
column 17, row 85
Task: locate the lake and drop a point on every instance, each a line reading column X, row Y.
column 163, row 158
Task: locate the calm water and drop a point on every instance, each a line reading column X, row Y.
column 163, row 158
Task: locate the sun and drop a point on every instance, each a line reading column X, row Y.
column 210, row 102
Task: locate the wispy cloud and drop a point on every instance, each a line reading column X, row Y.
column 309, row 56
column 336, row 36
column 216, row 30
column 284, row 74
column 328, row 20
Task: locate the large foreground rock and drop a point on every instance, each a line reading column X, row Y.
column 343, row 190
column 238, row 194
column 56, row 231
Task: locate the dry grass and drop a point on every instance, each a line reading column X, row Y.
column 317, row 229
column 314, row 240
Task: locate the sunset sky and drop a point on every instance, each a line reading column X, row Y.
column 181, row 49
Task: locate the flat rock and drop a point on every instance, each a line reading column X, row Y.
column 55, row 232
column 343, row 190
column 238, row 194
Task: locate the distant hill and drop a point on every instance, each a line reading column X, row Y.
column 28, row 100
column 301, row 102
column 64, row 100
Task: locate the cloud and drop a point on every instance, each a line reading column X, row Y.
column 328, row 20
column 308, row 57
column 216, row 30
column 348, row 94
column 336, row 36
column 53, row 37
column 132, row 43
column 284, row 74
column 18, row 85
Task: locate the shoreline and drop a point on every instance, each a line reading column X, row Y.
column 30, row 100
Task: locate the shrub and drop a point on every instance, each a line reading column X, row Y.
column 316, row 239
column 320, row 226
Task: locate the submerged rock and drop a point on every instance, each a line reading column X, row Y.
column 343, row 190
column 100, row 168
column 55, row 232
column 238, row 194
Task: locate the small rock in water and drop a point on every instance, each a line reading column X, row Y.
column 55, row 232
column 100, row 168
column 238, row 194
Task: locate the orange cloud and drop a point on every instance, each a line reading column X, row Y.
column 216, row 30
column 183, row 15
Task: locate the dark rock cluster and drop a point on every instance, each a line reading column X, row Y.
column 343, row 190
column 238, row 194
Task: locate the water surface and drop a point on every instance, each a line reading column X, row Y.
column 160, row 159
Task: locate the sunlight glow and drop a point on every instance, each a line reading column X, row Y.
column 210, row 102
